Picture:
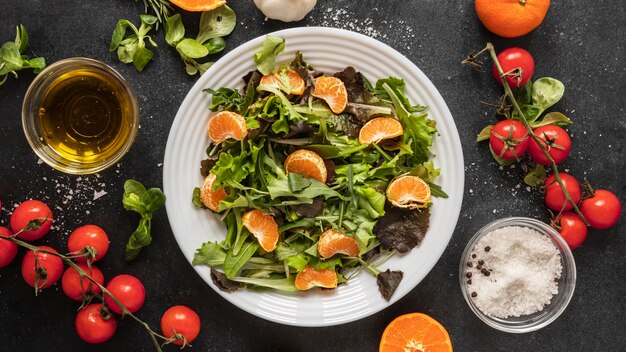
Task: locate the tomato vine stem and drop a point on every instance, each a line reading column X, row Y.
column 154, row 336
column 509, row 93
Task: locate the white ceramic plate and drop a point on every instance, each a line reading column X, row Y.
column 328, row 50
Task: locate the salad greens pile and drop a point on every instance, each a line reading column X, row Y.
column 353, row 197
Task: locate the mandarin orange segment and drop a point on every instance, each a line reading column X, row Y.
column 263, row 227
column 198, row 5
column 511, row 18
column 380, row 128
column 225, row 125
column 415, row 332
column 408, row 192
column 309, row 278
column 334, row 241
column 295, row 84
column 307, row 163
column 209, row 197
column 332, row 91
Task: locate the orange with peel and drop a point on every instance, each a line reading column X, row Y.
column 198, row 5
column 408, row 192
column 332, row 91
column 333, row 242
column 415, row 332
column 225, row 125
column 294, row 84
column 380, row 128
column 209, row 197
column 307, row 163
column 263, row 227
column 309, row 278
column 511, row 18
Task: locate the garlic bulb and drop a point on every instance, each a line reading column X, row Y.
column 285, row 10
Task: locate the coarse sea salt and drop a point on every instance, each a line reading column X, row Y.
column 513, row 271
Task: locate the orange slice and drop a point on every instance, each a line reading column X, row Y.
column 408, row 192
column 380, row 128
column 309, row 278
column 263, row 228
column 227, row 124
column 210, row 198
column 334, row 241
column 306, row 163
column 198, row 5
column 294, row 86
column 332, row 91
column 415, row 332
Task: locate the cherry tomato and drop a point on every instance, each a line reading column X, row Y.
column 509, row 139
column 573, row 229
column 555, row 140
column 89, row 235
column 52, row 264
column 128, row 290
column 512, row 61
column 72, row 286
column 92, row 327
column 602, row 210
column 8, row 249
column 31, row 210
column 180, row 320
column 555, row 198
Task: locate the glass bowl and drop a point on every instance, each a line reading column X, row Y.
column 566, row 283
column 80, row 116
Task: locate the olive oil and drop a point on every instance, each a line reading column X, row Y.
column 86, row 116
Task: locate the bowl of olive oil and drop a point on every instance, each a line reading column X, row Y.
column 80, row 116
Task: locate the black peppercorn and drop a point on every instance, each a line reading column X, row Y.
column 470, row 264
column 474, row 294
column 481, row 262
column 469, row 282
column 487, row 249
column 479, row 267
column 473, row 255
column 468, row 275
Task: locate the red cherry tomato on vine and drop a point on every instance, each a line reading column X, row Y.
column 8, row 249
column 128, row 290
column 31, row 210
column 92, row 327
column 72, row 286
column 180, row 320
column 555, row 198
column 518, row 64
column 52, row 264
column 573, row 229
column 602, row 210
column 555, row 140
column 89, row 235
column 509, row 139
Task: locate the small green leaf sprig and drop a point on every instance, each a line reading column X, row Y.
column 133, row 47
column 145, row 202
column 12, row 60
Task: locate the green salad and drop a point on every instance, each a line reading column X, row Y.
column 316, row 176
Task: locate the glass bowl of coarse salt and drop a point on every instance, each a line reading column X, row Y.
column 517, row 274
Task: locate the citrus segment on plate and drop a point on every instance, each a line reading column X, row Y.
column 306, row 163
column 225, row 125
column 209, row 197
column 408, row 192
column 198, row 5
column 380, row 128
column 333, row 242
column 332, row 91
column 415, row 332
column 290, row 82
column 263, row 228
column 309, row 278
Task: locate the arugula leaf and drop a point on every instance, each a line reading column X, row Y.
column 210, row 254
column 12, row 60
column 234, row 263
column 145, row 202
column 281, row 284
column 397, row 86
column 224, row 98
column 264, row 59
column 279, row 187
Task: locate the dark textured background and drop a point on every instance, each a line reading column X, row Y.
column 580, row 42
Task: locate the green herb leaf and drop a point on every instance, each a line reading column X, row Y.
column 216, row 23
column 297, row 183
column 234, row 263
column 215, row 45
column 191, row 48
column 10, row 57
column 398, row 86
column 21, row 38
column 281, row 284
column 523, row 95
column 498, row 159
column 553, row 118
column 264, row 59
column 484, row 134
column 196, row 198
column 536, row 176
column 148, row 19
column 138, row 239
column 210, row 254
column 546, row 92
column 145, row 202
column 174, row 30
column 119, row 32
column 531, row 112
column 141, row 57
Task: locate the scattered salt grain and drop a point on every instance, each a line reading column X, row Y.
column 515, row 272
column 98, row 194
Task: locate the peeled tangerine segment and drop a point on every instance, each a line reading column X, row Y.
column 209, row 197
column 309, row 278
column 380, row 128
column 333, row 242
column 332, row 91
column 294, row 84
column 408, row 192
column 225, row 125
column 307, row 163
column 263, row 227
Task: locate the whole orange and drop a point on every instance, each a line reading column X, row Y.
column 511, row 18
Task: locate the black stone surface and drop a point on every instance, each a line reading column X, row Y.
column 580, row 42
